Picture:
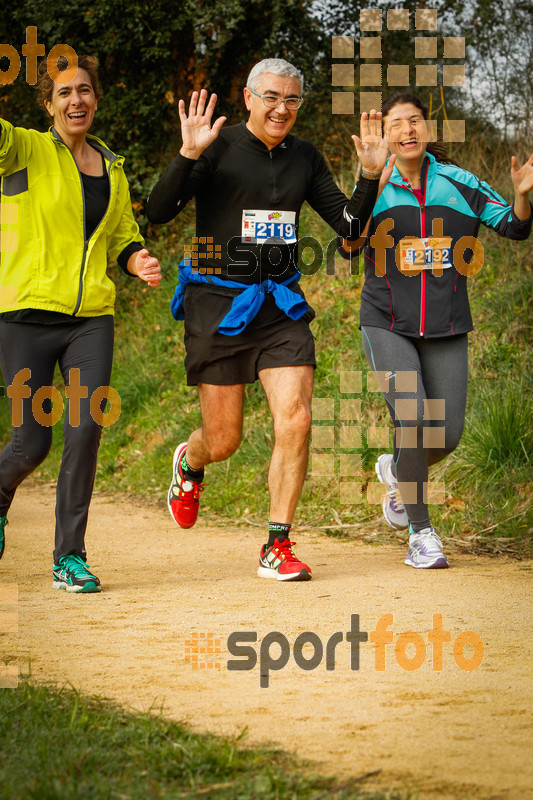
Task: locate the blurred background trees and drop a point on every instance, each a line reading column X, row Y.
column 152, row 53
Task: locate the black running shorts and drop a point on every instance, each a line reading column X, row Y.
column 271, row 339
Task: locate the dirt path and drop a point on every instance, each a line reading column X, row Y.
column 447, row 734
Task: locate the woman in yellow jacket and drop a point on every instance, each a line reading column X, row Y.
column 65, row 206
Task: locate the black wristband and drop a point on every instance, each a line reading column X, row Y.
column 123, row 258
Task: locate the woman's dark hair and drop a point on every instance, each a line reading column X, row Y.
column 438, row 149
column 45, row 83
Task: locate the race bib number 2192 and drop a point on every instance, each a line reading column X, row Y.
column 433, row 253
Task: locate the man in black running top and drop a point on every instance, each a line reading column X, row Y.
column 245, row 315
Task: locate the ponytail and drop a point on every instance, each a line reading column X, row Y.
column 439, row 150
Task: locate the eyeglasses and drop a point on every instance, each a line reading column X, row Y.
column 398, row 123
column 273, row 100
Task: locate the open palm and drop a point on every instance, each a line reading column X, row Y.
column 522, row 177
column 372, row 148
column 196, row 129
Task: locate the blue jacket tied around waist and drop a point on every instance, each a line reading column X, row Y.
column 245, row 305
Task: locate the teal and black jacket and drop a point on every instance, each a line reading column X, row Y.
column 432, row 303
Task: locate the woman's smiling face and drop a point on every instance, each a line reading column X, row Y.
column 73, row 105
column 408, row 132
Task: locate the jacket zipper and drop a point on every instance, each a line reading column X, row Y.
column 86, row 241
column 423, row 282
column 421, row 328
column 274, row 187
column 453, row 303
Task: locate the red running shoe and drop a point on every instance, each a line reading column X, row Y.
column 183, row 495
column 279, row 562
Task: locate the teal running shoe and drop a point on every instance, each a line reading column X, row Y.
column 3, row 523
column 72, row 574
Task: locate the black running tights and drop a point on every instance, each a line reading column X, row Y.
column 88, row 346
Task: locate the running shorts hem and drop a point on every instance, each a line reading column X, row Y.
column 270, row 340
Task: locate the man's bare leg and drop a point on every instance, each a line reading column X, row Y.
column 217, row 439
column 289, row 391
column 221, row 431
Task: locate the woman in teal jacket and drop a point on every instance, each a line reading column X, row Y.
column 65, row 207
column 421, row 245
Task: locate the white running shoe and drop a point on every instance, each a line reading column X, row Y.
column 425, row 550
column 393, row 508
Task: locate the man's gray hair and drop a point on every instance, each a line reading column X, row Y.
column 277, row 66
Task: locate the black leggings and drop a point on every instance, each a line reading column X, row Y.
column 424, row 383
column 87, row 346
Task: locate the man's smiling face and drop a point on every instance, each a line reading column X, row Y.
column 271, row 125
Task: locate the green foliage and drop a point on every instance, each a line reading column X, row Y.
column 488, row 479
column 57, row 744
column 153, row 53
column 499, row 35
column 500, row 434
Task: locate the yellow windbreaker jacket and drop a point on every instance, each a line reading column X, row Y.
column 45, row 261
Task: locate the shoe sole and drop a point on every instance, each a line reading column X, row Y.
column 266, row 572
column 89, row 588
column 175, row 459
column 441, row 563
column 384, row 505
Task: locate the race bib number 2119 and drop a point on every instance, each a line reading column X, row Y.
column 259, row 225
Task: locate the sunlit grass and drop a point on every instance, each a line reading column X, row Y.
column 57, row 744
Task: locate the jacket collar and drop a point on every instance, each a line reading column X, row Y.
column 97, row 143
column 428, row 166
column 284, row 145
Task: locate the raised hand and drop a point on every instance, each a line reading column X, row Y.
column 522, row 177
column 372, row 148
column 196, row 129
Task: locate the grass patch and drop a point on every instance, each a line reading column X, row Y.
column 56, row 744
column 499, row 440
